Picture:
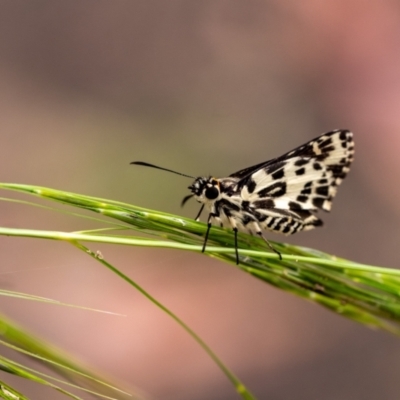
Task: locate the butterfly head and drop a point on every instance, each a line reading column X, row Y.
column 205, row 190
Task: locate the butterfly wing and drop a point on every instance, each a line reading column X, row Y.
column 247, row 171
column 302, row 180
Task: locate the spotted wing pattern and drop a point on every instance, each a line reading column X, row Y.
column 282, row 194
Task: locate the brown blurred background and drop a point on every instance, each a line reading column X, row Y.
column 201, row 87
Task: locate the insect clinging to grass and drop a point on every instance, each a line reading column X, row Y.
column 280, row 195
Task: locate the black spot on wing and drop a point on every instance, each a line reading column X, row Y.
column 306, row 191
column 323, row 190
column 343, row 135
column 337, row 170
column 328, row 149
column 270, row 222
column 304, row 214
column 265, row 204
column 251, row 185
column 277, row 189
column 323, row 156
column 317, row 222
column 301, row 161
column 302, row 199
column 318, row 202
column 278, row 174
column 325, row 143
column 274, row 167
column 294, row 206
column 300, row 171
column 317, row 166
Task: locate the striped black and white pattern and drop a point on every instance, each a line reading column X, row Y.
column 282, row 194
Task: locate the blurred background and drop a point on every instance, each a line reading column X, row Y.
column 205, row 87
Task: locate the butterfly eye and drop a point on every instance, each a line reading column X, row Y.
column 212, row 192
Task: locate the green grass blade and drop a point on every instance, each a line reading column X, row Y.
column 25, row 296
column 240, row 388
column 14, row 369
column 364, row 293
column 350, row 289
column 44, row 379
column 9, row 393
column 18, row 339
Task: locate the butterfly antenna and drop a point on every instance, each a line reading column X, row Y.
column 145, row 164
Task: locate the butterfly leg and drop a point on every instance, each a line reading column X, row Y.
column 235, row 231
column 259, row 233
column 199, row 213
column 232, row 223
column 210, row 217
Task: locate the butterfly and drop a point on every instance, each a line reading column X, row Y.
column 280, row 195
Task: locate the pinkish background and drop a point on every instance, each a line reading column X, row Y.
column 201, row 87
